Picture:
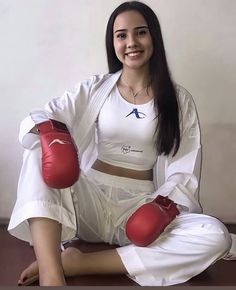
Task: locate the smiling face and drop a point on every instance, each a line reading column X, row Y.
column 132, row 40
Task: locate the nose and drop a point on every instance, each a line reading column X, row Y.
column 132, row 41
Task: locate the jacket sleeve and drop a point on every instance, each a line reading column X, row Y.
column 65, row 108
column 178, row 176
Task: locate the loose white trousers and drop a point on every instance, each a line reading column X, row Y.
column 101, row 205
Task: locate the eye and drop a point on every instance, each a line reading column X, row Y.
column 142, row 32
column 121, row 35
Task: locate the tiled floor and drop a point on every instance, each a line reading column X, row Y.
column 15, row 255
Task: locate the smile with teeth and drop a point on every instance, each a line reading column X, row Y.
column 134, row 53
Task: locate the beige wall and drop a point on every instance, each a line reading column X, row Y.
column 48, row 46
column 218, row 183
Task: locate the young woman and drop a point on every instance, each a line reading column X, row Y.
column 138, row 138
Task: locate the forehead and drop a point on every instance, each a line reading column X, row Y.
column 129, row 20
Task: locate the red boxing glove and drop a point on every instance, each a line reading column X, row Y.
column 149, row 221
column 60, row 164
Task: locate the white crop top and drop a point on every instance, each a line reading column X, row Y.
column 126, row 133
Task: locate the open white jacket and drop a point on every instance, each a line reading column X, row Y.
column 176, row 177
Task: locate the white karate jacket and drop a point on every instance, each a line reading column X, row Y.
column 176, row 177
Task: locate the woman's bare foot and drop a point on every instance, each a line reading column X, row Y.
column 71, row 259
column 29, row 275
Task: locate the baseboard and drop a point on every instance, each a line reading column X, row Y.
column 4, row 221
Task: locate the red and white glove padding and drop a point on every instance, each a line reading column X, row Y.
column 149, row 221
column 60, row 164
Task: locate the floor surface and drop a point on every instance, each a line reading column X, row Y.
column 15, row 255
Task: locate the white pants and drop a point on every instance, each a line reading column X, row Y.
column 96, row 209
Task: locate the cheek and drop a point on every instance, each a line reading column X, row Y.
column 115, row 45
column 118, row 47
column 151, row 50
column 150, row 46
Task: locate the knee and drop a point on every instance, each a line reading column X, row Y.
column 220, row 239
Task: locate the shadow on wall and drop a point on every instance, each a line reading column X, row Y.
column 218, row 178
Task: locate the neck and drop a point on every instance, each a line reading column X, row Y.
column 135, row 79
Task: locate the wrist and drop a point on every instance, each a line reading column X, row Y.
column 51, row 125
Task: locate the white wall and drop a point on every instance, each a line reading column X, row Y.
column 49, row 45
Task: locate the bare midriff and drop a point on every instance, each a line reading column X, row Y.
column 122, row 172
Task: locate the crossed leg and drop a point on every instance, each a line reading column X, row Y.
column 46, row 237
column 51, row 266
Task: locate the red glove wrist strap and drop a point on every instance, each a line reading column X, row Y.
column 51, row 125
column 168, row 205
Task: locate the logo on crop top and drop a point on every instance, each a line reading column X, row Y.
column 138, row 115
column 125, row 149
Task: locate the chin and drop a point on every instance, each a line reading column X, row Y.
column 136, row 66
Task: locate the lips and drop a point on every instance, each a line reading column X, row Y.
column 134, row 53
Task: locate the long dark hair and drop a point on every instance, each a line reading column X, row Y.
column 165, row 97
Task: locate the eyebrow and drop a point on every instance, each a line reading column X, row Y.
column 136, row 28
